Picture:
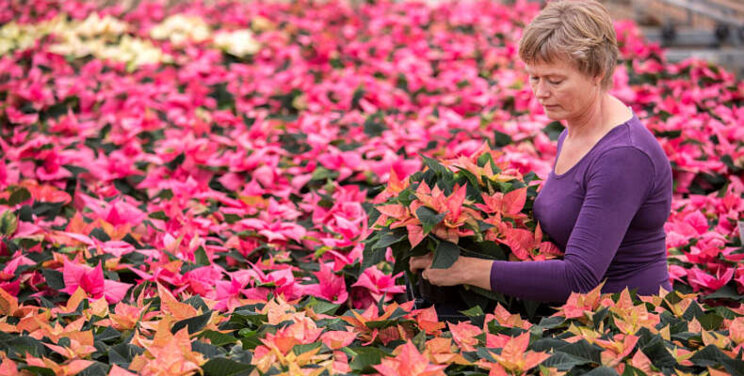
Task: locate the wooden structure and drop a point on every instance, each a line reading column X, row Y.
column 709, row 29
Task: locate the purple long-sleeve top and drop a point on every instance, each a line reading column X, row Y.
column 607, row 214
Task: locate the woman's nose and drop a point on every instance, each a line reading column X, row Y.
column 542, row 90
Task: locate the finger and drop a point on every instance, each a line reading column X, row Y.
column 419, row 262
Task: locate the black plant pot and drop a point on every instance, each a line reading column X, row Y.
column 447, row 301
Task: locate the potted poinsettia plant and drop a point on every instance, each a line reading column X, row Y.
column 477, row 206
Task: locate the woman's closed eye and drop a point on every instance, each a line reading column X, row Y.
column 552, row 82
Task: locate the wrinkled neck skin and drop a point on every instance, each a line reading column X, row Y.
column 593, row 120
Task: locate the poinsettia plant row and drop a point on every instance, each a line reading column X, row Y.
column 184, row 189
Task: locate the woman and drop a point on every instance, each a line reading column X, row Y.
column 609, row 193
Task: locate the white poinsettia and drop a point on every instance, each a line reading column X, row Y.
column 238, row 43
column 179, row 29
column 14, row 36
column 94, row 26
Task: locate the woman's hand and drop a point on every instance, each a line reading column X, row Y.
column 464, row 271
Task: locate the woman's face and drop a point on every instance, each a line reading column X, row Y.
column 563, row 91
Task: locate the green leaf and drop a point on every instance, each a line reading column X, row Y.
column 95, row 369
column 713, row 356
column 200, row 257
column 658, row 353
column 564, row 362
column 632, row 371
column 725, row 292
column 553, row 130
column 429, row 218
column 175, row 162
column 123, row 353
column 708, row 356
column 194, row 324
column 322, row 173
column 8, row 223
column 209, row 351
column 551, row 322
column 99, row 234
column 445, row 255
column 301, row 349
column 473, row 180
column 364, row 358
column 225, row 367
column 602, row 371
column 389, row 239
column 244, row 316
column 197, row 302
column 322, row 306
column 473, row 312
column 20, row 345
column 108, row 334
column 711, row 321
column 18, row 196
column 501, row 139
column 372, row 256
column 217, row 338
column 436, row 167
column 583, row 350
column 54, row 279
column 374, row 125
column 158, row 215
column 42, row 371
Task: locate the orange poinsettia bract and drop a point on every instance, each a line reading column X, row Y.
column 409, row 361
column 579, row 306
column 458, row 214
column 371, row 314
column 70, row 368
column 167, row 353
column 514, row 357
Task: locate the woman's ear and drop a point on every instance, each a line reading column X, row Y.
column 598, row 78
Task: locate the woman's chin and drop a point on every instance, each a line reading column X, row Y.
column 554, row 115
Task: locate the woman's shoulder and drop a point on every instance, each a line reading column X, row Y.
column 632, row 149
column 632, row 137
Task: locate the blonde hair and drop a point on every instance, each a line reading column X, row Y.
column 578, row 30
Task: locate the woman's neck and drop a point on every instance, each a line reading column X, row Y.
column 598, row 119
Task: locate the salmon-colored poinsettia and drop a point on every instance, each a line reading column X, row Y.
column 367, row 334
column 580, row 306
column 167, row 353
column 514, row 357
column 458, row 214
column 409, row 361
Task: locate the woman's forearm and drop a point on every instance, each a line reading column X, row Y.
column 476, row 272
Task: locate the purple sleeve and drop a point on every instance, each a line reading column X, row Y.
column 616, row 186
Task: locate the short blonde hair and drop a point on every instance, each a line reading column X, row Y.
column 580, row 31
